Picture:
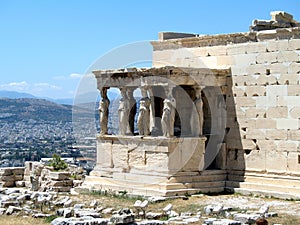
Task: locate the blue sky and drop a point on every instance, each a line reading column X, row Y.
column 46, row 46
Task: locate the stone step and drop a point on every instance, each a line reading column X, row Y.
column 274, row 194
column 268, row 187
column 269, row 179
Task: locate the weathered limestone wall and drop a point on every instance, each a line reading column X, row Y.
column 263, row 102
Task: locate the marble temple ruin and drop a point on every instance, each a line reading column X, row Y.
column 217, row 112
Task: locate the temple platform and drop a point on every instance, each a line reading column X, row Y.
column 153, row 166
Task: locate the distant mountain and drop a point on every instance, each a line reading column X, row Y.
column 16, row 95
column 21, row 109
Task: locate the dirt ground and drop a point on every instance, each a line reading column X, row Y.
column 288, row 211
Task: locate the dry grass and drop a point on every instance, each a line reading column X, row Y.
column 16, row 220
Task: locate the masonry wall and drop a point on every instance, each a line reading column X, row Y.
column 263, row 95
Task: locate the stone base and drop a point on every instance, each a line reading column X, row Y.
column 153, row 166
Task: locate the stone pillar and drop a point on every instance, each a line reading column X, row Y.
column 103, row 111
column 144, row 113
column 123, row 112
column 132, row 110
column 197, row 117
column 168, row 116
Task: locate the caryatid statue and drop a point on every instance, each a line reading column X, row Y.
column 144, row 117
column 168, row 118
column 197, row 117
column 103, row 112
column 123, row 112
column 144, row 113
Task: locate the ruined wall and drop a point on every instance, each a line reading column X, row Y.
column 263, row 95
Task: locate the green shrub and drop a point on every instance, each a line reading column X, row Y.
column 57, row 163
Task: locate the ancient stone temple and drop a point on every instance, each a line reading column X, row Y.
column 217, row 113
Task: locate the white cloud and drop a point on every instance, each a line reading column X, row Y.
column 15, row 86
column 72, row 76
column 46, row 86
column 76, row 76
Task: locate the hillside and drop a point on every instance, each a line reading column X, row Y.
column 33, row 109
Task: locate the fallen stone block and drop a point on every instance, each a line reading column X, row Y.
column 41, row 215
column 79, row 221
column 12, row 209
column 246, row 218
column 226, row 222
column 152, row 222
column 123, row 216
column 59, row 176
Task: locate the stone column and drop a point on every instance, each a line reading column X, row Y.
column 132, row 110
column 168, row 116
column 123, row 112
column 103, row 111
column 144, row 113
column 197, row 117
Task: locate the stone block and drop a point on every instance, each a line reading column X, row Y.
column 266, row 35
column 295, row 112
column 294, row 68
column 293, row 90
column 273, row 134
column 245, row 59
column 137, row 158
column 265, row 123
column 254, row 112
column 157, row 161
column 225, row 61
column 104, row 154
column 290, row 101
column 276, row 90
column 220, row 50
column 294, row 44
column 279, row 68
column 199, row 52
column 238, row 91
column 246, row 123
column 257, row 69
column 276, row 161
column 120, row 156
column 294, row 135
column 59, row 175
column 287, row 146
column 290, row 79
column 263, row 102
column 255, row 90
column 287, row 56
column 257, row 134
column 245, row 102
column 264, row 80
column 266, row 145
column 277, row 112
column 256, row 160
column 267, row 57
column 278, row 45
column 256, row 47
column 248, row 144
column 237, row 49
column 62, row 183
column 290, row 124
column 293, row 162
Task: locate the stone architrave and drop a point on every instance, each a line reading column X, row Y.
column 123, row 113
column 197, row 117
column 103, row 113
column 168, row 118
column 144, row 117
